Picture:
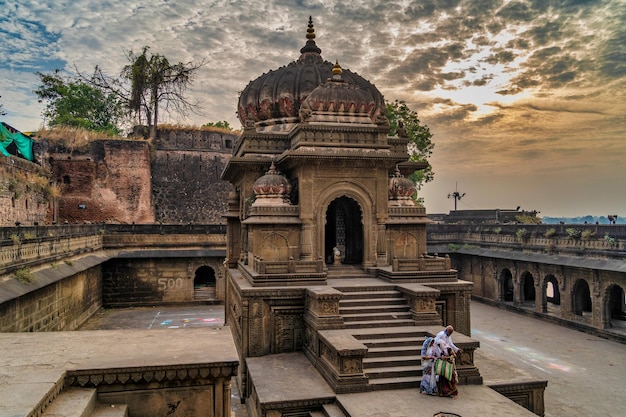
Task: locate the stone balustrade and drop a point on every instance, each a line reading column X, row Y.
column 31, row 252
column 423, row 263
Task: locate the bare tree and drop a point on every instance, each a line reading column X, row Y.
column 156, row 84
column 150, row 84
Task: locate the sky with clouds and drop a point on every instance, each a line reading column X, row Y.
column 526, row 98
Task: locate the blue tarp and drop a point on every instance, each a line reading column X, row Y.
column 12, row 141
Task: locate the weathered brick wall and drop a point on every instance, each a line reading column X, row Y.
column 186, row 176
column 61, row 306
column 135, row 281
column 111, row 183
column 25, row 193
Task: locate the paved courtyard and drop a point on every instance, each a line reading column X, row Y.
column 585, row 373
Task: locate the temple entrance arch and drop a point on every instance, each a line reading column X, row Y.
column 344, row 230
column 581, row 298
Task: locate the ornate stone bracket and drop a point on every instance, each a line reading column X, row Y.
column 422, row 301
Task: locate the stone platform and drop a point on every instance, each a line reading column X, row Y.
column 288, row 381
column 35, row 368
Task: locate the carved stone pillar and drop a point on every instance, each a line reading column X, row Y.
column 517, row 290
column 381, row 245
column 306, row 240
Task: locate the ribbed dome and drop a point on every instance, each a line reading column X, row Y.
column 276, row 96
column 340, row 98
column 271, row 188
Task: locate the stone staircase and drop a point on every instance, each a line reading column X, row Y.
column 204, row 293
column 380, row 318
column 82, row 402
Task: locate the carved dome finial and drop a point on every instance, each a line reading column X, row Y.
column 337, row 70
column 310, row 40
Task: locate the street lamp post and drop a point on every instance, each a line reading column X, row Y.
column 456, row 195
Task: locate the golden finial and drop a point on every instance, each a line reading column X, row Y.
column 337, row 68
column 310, row 32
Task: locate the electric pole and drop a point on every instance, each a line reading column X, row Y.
column 456, row 195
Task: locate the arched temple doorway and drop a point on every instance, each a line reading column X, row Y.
column 344, row 230
column 204, row 283
column 581, row 298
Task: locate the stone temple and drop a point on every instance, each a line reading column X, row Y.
column 326, row 254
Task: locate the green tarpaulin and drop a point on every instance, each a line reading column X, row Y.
column 22, row 144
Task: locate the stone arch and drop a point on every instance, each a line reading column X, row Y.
column 344, row 230
column 581, row 298
column 366, row 205
column 615, row 306
column 527, row 287
column 275, row 247
column 204, row 276
column 204, row 283
column 553, row 294
column 550, row 294
column 507, row 289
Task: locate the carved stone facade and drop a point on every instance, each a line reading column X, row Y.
column 319, row 185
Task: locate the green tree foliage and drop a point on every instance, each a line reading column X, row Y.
column 420, row 146
column 221, row 124
column 73, row 102
column 156, row 84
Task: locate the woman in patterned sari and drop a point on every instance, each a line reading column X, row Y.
column 429, row 382
column 446, row 386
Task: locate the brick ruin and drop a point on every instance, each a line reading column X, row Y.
column 173, row 180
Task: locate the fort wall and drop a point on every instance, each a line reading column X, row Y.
column 25, row 192
column 186, row 171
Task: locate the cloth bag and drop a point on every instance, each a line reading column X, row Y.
column 444, row 368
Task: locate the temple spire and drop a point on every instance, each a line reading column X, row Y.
column 310, row 40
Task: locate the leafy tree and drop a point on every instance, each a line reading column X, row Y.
column 156, row 84
column 72, row 102
column 420, row 146
column 221, row 124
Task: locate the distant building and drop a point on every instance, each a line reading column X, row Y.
column 485, row 216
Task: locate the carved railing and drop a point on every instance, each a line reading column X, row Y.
column 291, row 266
column 423, row 263
column 31, row 252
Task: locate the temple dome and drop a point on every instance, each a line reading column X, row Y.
column 338, row 100
column 272, row 188
column 276, row 96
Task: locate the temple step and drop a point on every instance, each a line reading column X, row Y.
column 395, row 383
column 72, row 402
column 111, row 410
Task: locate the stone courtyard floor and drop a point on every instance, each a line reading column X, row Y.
column 585, row 373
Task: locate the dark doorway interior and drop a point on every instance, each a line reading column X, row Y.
column 205, row 277
column 344, row 230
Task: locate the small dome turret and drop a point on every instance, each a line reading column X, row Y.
column 273, row 188
column 400, row 190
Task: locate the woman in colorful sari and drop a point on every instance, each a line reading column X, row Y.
column 429, row 382
column 446, row 384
